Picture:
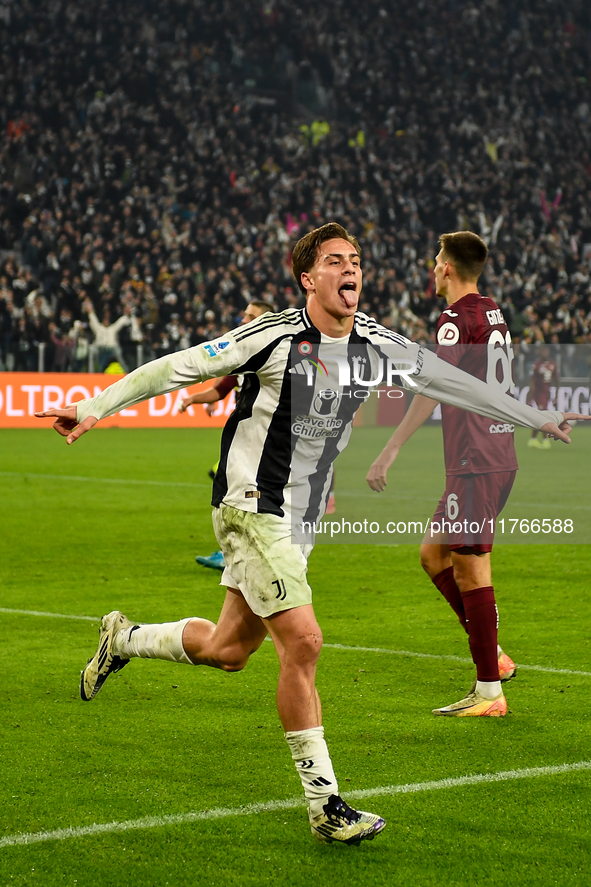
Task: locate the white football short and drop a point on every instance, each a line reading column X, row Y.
column 261, row 560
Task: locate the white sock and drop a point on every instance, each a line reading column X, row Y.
column 488, row 689
column 160, row 641
column 312, row 760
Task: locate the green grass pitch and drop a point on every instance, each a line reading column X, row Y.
column 115, row 522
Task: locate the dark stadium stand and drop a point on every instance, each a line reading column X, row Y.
column 160, row 160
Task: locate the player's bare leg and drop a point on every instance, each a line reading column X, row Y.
column 298, row 641
column 192, row 641
column 228, row 643
column 435, row 556
column 471, row 570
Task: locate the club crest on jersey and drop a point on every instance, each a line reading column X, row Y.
column 448, row 334
column 214, row 348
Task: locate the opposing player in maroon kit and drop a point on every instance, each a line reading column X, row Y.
column 544, row 373
column 480, row 465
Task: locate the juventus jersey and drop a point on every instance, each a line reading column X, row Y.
column 300, row 394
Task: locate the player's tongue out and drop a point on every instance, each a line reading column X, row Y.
column 348, row 294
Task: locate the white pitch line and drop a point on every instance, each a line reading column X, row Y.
column 586, row 674
column 346, row 648
column 106, row 480
column 147, row 822
column 54, row 615
column 355, row 494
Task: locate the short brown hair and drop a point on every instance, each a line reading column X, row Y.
column 466, row 251
column 305, row 252
column 265, row 307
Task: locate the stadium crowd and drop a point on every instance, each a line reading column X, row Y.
column 159, row 160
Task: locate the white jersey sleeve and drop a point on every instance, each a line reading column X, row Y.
column 209, row 360
column 422, row 372
column 441, row 381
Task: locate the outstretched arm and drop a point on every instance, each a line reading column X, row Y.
column 440, row 380
column 209, row 395
column 218, row 391
column 66, row 422
column 418, row 412
column 161, row 376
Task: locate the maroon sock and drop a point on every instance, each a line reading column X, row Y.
column 447, row 585
column 482, row 622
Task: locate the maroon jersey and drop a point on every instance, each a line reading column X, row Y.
column 544, row 373
column 226, row 385
column 474, row 444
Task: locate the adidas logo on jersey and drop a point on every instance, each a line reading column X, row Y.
column 304, row 369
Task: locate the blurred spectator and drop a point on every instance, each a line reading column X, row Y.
column 80, row 347
column 106, row 339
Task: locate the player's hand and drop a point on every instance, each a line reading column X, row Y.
column 66, row 422
column 378, row 473
column 184, row 404
column 562, row 431
column 211, row 408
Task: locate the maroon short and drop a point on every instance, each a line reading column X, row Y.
column 468, row 509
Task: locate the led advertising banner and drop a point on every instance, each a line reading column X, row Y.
column 24, row 394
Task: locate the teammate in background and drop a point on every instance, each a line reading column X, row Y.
column 211, row 396
column 222, row 387
column 544, row 373
column 480, row 466
column 271, row 476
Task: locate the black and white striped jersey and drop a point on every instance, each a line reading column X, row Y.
column 300, row 394
column 295, row 414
